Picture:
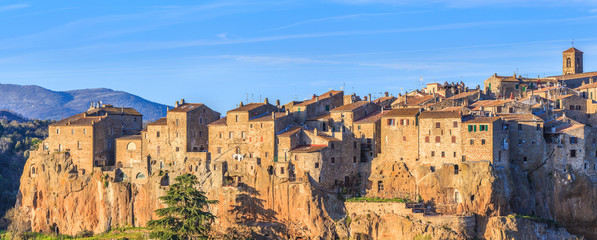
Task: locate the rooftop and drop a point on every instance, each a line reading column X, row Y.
column 247, row 107
column 402, row 112
column 464, row 95
column 321, row 97
column 521, row 117
column 161, row 121
column 440, row 114
column 371, row 118
column 308, row 148
column 482, row 120
column 186, row 107
column 350, row 107
column 221, row 121
column 130, row 137
column 572, row 49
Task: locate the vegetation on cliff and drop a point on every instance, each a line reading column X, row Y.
column 186, row 214
column 16, row 139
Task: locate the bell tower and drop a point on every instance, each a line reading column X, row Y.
column 572, row 61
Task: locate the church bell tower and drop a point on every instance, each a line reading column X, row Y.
column 572, row 59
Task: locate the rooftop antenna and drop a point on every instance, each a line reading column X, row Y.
column 343, row 86
column 421, row 81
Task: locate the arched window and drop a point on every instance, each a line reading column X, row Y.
column 131, row 146
column 165, row 181
column 140, row 176
column 568, row 62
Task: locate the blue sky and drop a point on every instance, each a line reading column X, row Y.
column 220, row 52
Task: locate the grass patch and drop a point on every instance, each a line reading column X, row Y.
column 130, row 233
column 549, row 222
column 376, row 199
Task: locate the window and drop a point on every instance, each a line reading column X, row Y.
column 157, row 134
column 482, row 141
column 538, row 127
column 426, row 139
column 85, row 131
column 519, row 127
column 456, row 169
column 407, row 121
column 316, row 165
column 472, row 141
column 354, row 145
column 573, row 140
column 510, row 110
column 242, row 134
column 470, row 128
column 438, row 125
column 358, row 126
column 571, row 107
column 57, row 130
column 333, row 160
column 568, row 62
column 72, row 131
column 282, row 170
column 433, row 153
column 572, row 153
column 157, row 150
column 200, row 134
column 578, row 107
column 481, row 127
column 401, row 121
column 261, row 138
column 177, row 149
column 79, row 146
column 219, row 150
column 176, row 122
column 453, row 139
column 404, row 138
column 443, row 154
column 390, row 121
column 455, row 124
column 499, row 109
column 266, row 154
column 332, row 145
column 230, row 135
column 380, row 186
column 200, row 120
column 520, row 141
column 354, row 159
column 438, row 139
column 454, row 154
column 524, row 159
column 237, row 117
column 432, row 168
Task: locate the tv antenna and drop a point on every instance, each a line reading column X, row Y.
column 421, row 81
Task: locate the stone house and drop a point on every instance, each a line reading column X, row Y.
column 571, row 144
column 316, row 106
column 485, row 139
column 526, row 142
column 400, row 135
column 440, row 138
column 89, row 136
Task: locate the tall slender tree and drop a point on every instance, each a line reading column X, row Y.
column 186, row 215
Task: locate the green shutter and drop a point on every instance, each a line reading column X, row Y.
column 475, row 127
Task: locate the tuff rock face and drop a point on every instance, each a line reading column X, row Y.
column 56, row 197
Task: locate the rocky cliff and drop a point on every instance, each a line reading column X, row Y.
column 58, row 198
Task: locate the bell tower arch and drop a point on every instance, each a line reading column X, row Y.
column 572, row 61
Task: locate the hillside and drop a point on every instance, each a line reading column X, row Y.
column 35, row 102
column 11, row 116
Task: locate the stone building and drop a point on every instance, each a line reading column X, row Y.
column 400, row 135
column 89, row 136
column 485, row 139
column 571, row 144
column 440, row 137
column 316, row 106
column 526, row 142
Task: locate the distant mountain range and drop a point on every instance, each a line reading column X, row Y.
column 35, row 102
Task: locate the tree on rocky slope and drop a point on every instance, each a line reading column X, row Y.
column 186, row 215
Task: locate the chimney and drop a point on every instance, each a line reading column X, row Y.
column 176, row 104
column 365, row 98
column 386, row 94
column 266, row 101
column 241, row 104
column 369, row 97
column 315, row 131
column 314, row 96
column 99, row 104
column 278, row 103
column 287, row 112
column 181, row 101
column 317, row 98
column 273, row 115
column 85, row 114
column 122, row 109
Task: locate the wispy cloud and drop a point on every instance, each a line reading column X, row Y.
column 471, row 3
column 343, row 17
column 13, row 7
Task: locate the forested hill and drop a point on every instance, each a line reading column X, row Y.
column 16, row 139
column 35, row 102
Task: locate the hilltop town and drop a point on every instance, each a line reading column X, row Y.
column 462, row 158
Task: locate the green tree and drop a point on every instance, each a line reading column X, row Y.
column 186, row 215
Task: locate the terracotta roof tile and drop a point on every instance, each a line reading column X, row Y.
column 161, row 121
column 290, row 131
column 186, row 107
column 440, row 114
column 521, row 117
column 221, row 121
column 402, row 112
column 463, row 95
column 247, row 107
column 350, row 107
column 308, row 148
column 371, row 118
column 482, row 120
column 321, row 97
